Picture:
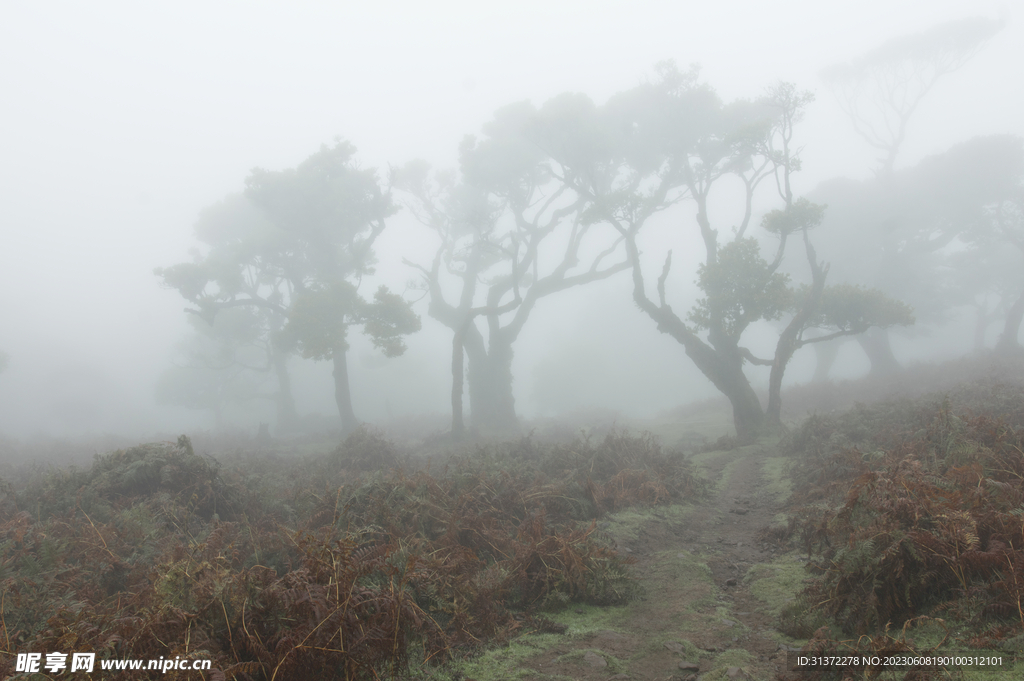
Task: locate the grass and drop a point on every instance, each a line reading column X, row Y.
column 733, row 657
column 778, row 484
column 506, row 662
column 625, row 525
column 777, row 583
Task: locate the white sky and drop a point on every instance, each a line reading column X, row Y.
column 119, row 121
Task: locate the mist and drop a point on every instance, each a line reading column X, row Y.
column 124, row 122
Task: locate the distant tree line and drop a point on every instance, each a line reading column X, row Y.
column 554, row 197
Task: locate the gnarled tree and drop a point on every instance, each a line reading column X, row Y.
column 510, row 233
column 672, row 141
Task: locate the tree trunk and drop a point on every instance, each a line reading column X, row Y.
column 492, row 407
column 875, row 343
column 342, row 394
column 723, row 366
column 783, row 353
column 747, row 415
column 825, row 356
column 1011, row 329
column 458, row 367
column 287, row 419
column 789, row 339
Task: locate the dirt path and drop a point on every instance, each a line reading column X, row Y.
column 702, row 615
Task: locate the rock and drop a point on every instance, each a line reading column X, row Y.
column 734, row 673
column 728, row 623
column 688, row 666
column 594, row 660
column 739, row 511
column 731, row 581
column 674, row 646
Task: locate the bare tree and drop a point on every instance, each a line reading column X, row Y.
column 881, row 90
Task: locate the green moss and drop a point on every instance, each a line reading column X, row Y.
column 586, row 620
column 625, row 525
column 777, row 583
column 777, row 482
column 689, row 650
column 505, row 662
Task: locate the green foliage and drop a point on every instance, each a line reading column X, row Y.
column 387, row 320
column 853, row 309
column 320, row 316
column 327, row 202
column 801, row 215
column 188, row 278
column 740, row 288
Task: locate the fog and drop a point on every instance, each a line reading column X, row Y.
column 123, row 121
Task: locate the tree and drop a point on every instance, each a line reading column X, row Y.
column 673, row 140
column 509, row 234
column 881, row 90
column 292, row 251
column 239, row 291
column 333, row 211
column 915, row 236
column 995, row 167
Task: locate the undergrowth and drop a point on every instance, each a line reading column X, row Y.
column 911, row 511
column 338, row 567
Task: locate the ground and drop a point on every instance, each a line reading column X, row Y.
column 711, row 588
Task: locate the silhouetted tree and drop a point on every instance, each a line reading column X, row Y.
column 994, row 167
column 334, row 211
column 249, row 270
column 510, row 233
column 915, row 236
column 673, row 140
column 297, row 258
column 881, row 90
